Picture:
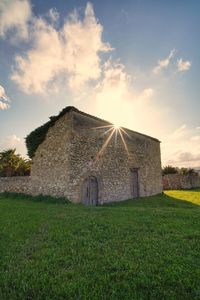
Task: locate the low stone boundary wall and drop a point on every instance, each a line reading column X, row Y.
column 178, row 181
column 26, row 185
column 18, row 184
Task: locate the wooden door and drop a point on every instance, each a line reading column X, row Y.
column 85, row 192
column 93, row 190
column 135, row 183
column 90, row 191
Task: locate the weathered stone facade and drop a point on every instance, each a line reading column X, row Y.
column 73, row 158
column 179, row 181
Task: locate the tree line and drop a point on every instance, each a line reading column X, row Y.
column 12, row 164
column 174, row 170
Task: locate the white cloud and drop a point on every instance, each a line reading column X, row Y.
column 14, row 15
column 188, row 157
column 53, row 15
column 146, row 94
column 181, row 148
column 4, row 105
column 183, row 65
column 3, row 99
column 3, row 95
column 71, row 53
column 164, row 63
column 40, row 65
column 13, row 141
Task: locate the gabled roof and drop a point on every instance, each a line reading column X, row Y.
column 37, row 136
column 107, row 122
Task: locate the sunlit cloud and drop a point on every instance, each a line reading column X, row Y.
column 146, row 94
column 4, row 105
column 188, row 157
column 54, row 15
column 70, row 53
column 14, row 15
column 3, row 95
column 4, row 99
column 164, row 63
column 181, row 148
column 183, row 65
column 11, row 141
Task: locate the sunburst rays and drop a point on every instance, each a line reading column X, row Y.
column 112, row 130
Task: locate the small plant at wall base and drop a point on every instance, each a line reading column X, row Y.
column 12, row 164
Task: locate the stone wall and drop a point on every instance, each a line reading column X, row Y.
column 49, row 171
column 178, row 182
column 19, row 184
column 112, row 165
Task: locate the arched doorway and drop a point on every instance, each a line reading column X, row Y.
column 90, row 191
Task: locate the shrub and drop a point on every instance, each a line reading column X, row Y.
column 37, row 136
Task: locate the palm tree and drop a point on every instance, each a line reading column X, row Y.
column 12, row 164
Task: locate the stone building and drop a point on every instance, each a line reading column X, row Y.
column 88, row 160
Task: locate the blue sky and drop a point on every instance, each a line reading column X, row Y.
column 135, row 63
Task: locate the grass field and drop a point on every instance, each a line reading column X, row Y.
column 141, row 249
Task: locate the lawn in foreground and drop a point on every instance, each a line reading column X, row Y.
column 139, row 249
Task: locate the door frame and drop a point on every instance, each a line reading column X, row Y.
column 99, row 183
column 135, row 170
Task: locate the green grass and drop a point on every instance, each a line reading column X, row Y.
column 138, row 249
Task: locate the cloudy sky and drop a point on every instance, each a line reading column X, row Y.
column 133, row 62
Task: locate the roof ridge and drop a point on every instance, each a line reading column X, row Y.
column 37, row 136
column 108, row 122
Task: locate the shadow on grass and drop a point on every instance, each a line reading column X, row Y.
column 39, row 198
column 161, row 200
column 158, row 201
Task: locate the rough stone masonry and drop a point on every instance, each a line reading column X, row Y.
column 86, row 159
